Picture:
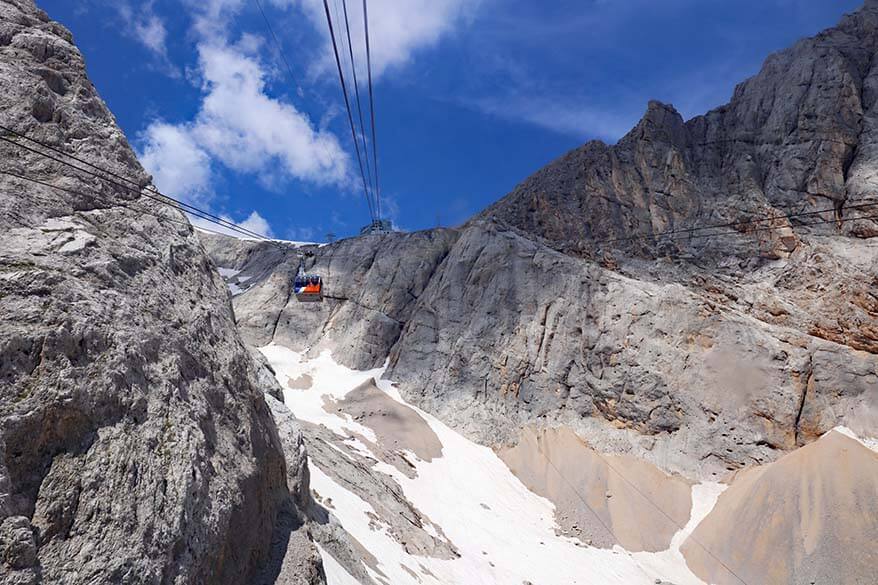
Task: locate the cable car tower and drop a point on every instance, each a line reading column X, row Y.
column 377, row 227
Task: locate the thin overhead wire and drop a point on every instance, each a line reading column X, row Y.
column 688, row 234
column 280, row 49
column 372, row 110
column 347, row 103
column 347, row 27
column 132, row 186
column 105, row 198
column 741, row 223
column 149, row 192
column 283, row 55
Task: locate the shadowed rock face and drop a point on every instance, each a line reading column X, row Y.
column 135, row 445
column 703, row 355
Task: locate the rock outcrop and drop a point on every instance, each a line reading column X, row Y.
column 135, row 443
column 702, row 354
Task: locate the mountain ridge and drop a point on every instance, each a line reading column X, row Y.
column 743, row 155
column 533, row 313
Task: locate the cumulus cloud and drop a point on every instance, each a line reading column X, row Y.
column 257, row 223
column 238, row 125
column 179, row 166
column 253, row 222
column 248, row 131
column 398, row 29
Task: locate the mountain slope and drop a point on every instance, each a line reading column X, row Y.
column 797, row 136
column 702, row 354
column 809, row 517
column 135, row 445
column 535, row 329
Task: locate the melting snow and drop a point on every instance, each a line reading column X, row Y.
column 504, row 532
column 230, row 275
column 670, row 563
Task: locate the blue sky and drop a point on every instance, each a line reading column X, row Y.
column 472, row 96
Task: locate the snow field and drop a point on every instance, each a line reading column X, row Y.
column 505, row 533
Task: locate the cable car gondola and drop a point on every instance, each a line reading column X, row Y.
column 308, row 288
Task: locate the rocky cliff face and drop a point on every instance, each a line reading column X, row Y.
column 135, row 444
column 702, row 354
column 797, row 137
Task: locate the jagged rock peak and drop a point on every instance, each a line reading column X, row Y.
column 661, row 123
column 799, row 135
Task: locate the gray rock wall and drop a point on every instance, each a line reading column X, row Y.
column 796, row 137
column 135, row 444
column 703, row 355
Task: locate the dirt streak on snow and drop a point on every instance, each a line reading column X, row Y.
column 504, row 532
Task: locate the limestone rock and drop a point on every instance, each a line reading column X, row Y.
column 135, row 444
column 701, row 354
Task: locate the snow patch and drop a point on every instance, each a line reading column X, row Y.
column 504, row 532
column 233, row 280
column 869, row 442
column 356, row 516
column 335, row 573
column 671, row 564
column 330, row 381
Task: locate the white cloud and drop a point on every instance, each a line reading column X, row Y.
column 397, row 29
column 564, row 115
column 147, row 28
column 248, row 131
column 212, row 17
column 179, row 166
column 152, row 33
column 237, row 124
column 253, row 222
column 257, row 223
column 303, row 234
